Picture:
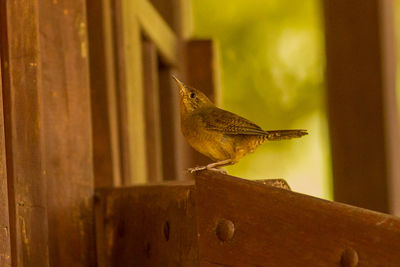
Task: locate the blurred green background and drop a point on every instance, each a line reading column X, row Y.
column 272, row 72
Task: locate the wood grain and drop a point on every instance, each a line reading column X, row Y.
column 158, row 30
column 152, row 106
column 276, row 227
column 5, row 245
column 130, row 96
column 147, row 226
column 21, row 76
column 105, row 119
column 361, row 104
column 66, row 132
column 172, row 139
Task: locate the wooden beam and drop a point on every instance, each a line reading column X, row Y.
column 361, row 104
column 130, row 72
column 172, row 139
column 5, row 245
column 157, row 30
column 106, row 143
column 66, row 132
column 164, row 235
column 21, row 81
column 228, row 221
column 245, row 223
column 152, row 105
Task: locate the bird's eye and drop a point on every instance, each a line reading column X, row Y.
column 192, row 95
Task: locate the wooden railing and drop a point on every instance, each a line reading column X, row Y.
column 226, row 221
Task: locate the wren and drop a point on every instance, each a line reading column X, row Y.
column 218, row 134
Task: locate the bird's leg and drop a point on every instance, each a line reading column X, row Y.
column 213, row 166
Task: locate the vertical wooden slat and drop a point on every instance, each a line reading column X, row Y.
column 106, row 144
column 170, row 126
column 361, row 107
column 66, row 132
column 173, row 144
column 390, row 114
column 5, row 245
column 130, row 86
column 152, row 106
column 21, row 71
column 201, row 62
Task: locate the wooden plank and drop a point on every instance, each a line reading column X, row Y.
column 130, row 72
column 203, row 76
column 361, row 107
column 66, row 132
column 106, row 143
column 5, row 245
column 157, row 30
column 22, row 73
column 245, row 223
column 391, row 110
column 164, row 235
column 152, row 105
column 172, row 139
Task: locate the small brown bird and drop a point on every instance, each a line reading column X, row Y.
column 218, row 134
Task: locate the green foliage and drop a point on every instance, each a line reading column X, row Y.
column 272, row 67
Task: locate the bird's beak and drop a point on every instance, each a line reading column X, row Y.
column 181, row 85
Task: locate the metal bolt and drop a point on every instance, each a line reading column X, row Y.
column 349, row 258
column 225, row 230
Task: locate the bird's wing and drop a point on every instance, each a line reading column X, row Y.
column 223, row 121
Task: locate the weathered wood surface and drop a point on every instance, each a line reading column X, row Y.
column 5, row 245
column 152, row 112
column 66, row 132
column 146, row 226
column 362, row 104
column 172, row 139
column 275, row 227
column 21, row 76
column 130, row 92
column 157, row 29
column 106, row 143
column 48, row 132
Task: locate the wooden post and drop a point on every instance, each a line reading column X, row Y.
column 66, row 132
column 130, row 88
column 164, row 235
column 106, row 143
column 152, row 106
column 22, row 76
column 5, row 245
column 48, row 132
column 362, row 103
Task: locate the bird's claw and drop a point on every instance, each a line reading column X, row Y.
column 202, row 168
column 196, row 169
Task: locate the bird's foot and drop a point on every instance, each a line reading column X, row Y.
column 202, row 168
column 196, row 169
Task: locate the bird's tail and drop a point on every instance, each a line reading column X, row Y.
column 284, row 134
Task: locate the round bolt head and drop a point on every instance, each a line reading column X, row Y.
column 349, row 258
column 225, row 230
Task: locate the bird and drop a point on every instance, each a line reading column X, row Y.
column 222, row 136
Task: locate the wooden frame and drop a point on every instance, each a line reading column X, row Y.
column 361, row 103
column 226, row 221
column 48, row 132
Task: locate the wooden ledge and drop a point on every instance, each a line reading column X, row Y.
column 227, row 221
